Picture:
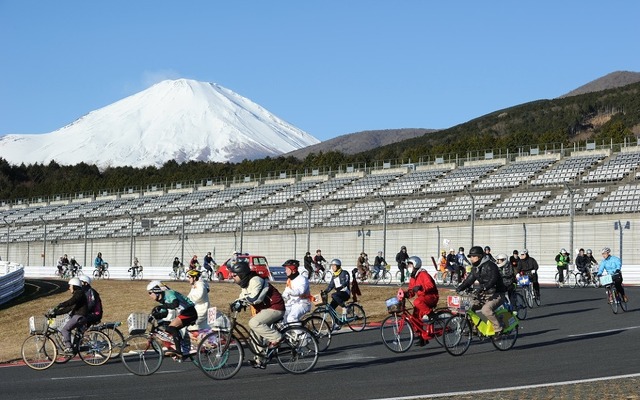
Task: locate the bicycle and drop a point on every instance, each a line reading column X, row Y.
column 178, row 274
column 569, row 279
column 399, row 329
column 583, row 279
column 399, row 275
column 614, row 297
column 353, row 315
column 530, row 295
column 384, row 275
column 135, row 273
column 518, row 304
column 101, row 271
column 320, row 275
column 44, row 346
column 114, row 334
column 459, row 329
column 220, row 354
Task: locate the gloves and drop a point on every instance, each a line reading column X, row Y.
column 458, row 290
column 237, row 305
column 50, row 313
column 417, row 288
column 159, row 312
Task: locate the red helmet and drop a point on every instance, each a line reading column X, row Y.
column 293, row 265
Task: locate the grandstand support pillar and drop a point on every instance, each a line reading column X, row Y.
column 308, row 224
column 438, row 244
column 86, row 231
column 572, row 213
column 131, row 237
column 618, row 226
column 241, row 225
column 44, row 243
column 524, row 228
column 182, row 236
column 473, row 216
column 384, row 227
column 295, row 244
column 8, row 232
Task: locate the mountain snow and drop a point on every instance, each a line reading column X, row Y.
column 181, row 120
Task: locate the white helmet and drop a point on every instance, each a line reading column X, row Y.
column 75, row 282
column 86, row 279
column 501, row 259
column 156, row 287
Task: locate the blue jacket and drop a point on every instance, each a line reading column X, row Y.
column 612, row 264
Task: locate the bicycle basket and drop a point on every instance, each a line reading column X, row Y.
column 60, row 321
column 394, row 305
column 461, row 303
column 523, row 280
column 606, row 280
column 137, row 322
column 38, row 324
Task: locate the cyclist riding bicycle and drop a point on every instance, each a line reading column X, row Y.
column 94, row 302
column 136, row 267
column 176, row 264
column 318, row 260
column 208, row 264
column 194, row 263
column 363, row 265
column 297, row 295
column 529, row 266
column 507, row 273
column 583, row 264
column 423, row 287
column 74, row 266
column 77, row 305
column 199, row 295
column 562, row 264
column 379, row 264
column 401, row 259
column 100, row 264
column 172, row 300
column 308, row 264
column 490, row 294
column 267, row 302
column 340, row 282
column 613, row 266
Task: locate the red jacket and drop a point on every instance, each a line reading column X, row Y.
column 425, row 280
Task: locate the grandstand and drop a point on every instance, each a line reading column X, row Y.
column 419, row 205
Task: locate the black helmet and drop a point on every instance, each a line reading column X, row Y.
column 241, row 268
column 487, row 248
column 461, row 249
column 476, row 251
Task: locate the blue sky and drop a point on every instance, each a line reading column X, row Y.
column 329, row 68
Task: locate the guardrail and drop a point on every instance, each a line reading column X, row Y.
column 11, row 281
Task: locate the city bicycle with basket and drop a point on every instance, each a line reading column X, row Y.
column 353, row 314
column 399, row 329
column 221, row 354
column 460, row 329
column 518, row 304
column 614, row 297
column 530, row 295
column 44, row 346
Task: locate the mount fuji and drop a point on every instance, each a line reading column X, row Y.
column 181, row 120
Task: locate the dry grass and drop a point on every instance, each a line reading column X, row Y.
column 120, row 298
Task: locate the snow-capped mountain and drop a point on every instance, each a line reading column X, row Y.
column 179, row 120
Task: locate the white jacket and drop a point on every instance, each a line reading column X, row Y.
column 297, row 291
column 199, row 295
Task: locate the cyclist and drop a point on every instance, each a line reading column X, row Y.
column 267, row 302
column 297, row 295
column 136, row 267
column 308, row 262
column 562, row 264
column 487, row 252
column 507, row 273
column 208, row 264
column 514, row 259
column 77, row 306
column 613, row 266
column 340, row 283
column 318, row 259
column 423, row 287
column 176, row 264
column 172, row 300
column 94, row 303
column 194, row 263
column 199, row 296
column 64, row 260
column 60, row 267
column 100, row 264
column 452, row 265
column 583, row 264
column 491, row 291
column 401, row 259
column 74, row 266
column 463, row 263
column 529, row 266
column 363, row 265
column 379, row 264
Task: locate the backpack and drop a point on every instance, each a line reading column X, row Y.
column 94, row 306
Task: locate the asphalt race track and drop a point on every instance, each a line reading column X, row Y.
column 572, row 336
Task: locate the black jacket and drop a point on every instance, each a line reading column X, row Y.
column 77, row 304
column 488, row 276
column 527, row 265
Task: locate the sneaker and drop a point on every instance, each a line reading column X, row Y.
column 258, row 364
column 421, row 342
column 68, row 351
column 625, row 298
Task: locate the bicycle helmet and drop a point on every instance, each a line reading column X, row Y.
column 241, row 268
column 293, row 265
column 487, row 248
column 75, row 282
column 460, row 249
column 194, row 273
column 605, row 250
column 86, row 279
column 589, row 251
column 156, row 287
column 336, row 262
column 501, row 259
column 563, row 251
column 416, row 261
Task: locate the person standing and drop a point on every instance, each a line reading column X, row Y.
column 401, row 259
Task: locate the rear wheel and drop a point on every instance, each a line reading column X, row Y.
column 142, row 355
column 220, row 355
column 396, row 333
column 505, row 340
column 613, row 300
column 298, row 351
column 116, row 338
column 439, row 325
column 321, row 329
column 457, row 335
column 38, row 352
column 356, row 318
column 94, row 348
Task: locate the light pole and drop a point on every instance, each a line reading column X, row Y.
column 8, row 232
column 86, row 231
column 308, row 224
column 473, row 215
column 384, row 227
column 182, row 236
column 618, row 226
column 131, row 237
column 572, row 211
column 241, row 225
column 363, row 233
column 44, row 243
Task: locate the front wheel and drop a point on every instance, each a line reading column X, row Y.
column 457, row 335
column 94, row 348
column 220, row 355
column 396, row 333
column 570, row 280
column 142, row 355
column 96, row 274
column 38, row 352
column 520, row 306
column 581, row 281
column 386, row 277
column 356, row 318
column 298, row 351
column 321, row 329
column 529, row 296
column 613, row 299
